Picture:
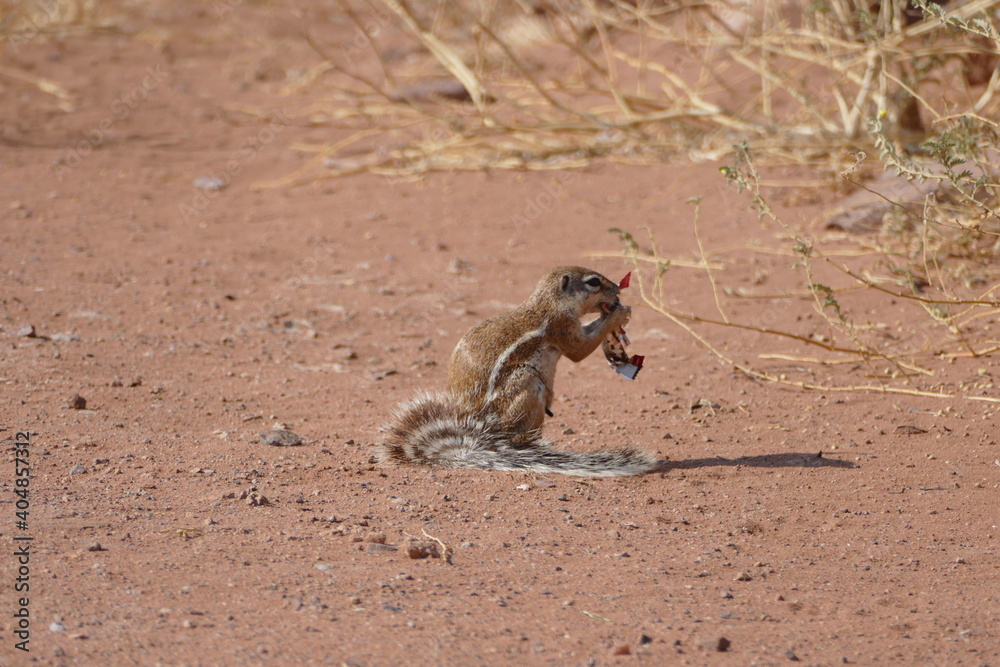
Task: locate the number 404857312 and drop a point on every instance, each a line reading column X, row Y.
column 22, row 472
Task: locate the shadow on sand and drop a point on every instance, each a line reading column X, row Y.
column 794, row 460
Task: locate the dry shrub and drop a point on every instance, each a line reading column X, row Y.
column 929, row 296
column 553, row 84
column 25, row 21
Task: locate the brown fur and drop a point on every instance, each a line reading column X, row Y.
column 501, row 384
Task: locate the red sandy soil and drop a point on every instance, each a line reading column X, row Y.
column 319, row 307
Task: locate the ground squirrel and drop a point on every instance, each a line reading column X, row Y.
column 501, row 382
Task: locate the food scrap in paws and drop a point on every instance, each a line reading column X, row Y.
column 614, row 344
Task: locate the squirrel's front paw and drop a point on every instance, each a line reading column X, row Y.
column 619, row 315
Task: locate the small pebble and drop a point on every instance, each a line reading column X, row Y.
column 56, row 627
column 460, row 265
column 255, row 499
column 279, row 437
column 418, row 551
column 720, row 644
column 77, row 469
column 210, row 184
column 77, row 402
column 94, row 546
column 743, row 576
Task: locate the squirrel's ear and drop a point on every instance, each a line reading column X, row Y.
column 565, row 283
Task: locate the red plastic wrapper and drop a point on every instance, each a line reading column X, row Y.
column 614, row 346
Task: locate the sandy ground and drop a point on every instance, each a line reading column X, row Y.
column 790, row 526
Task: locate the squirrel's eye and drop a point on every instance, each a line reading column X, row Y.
column 593, row 282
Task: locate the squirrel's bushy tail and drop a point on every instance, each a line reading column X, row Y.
column 431, row 430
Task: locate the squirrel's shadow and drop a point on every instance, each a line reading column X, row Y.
column 793, row 460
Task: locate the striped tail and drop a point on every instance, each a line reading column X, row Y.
column 431, row 430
